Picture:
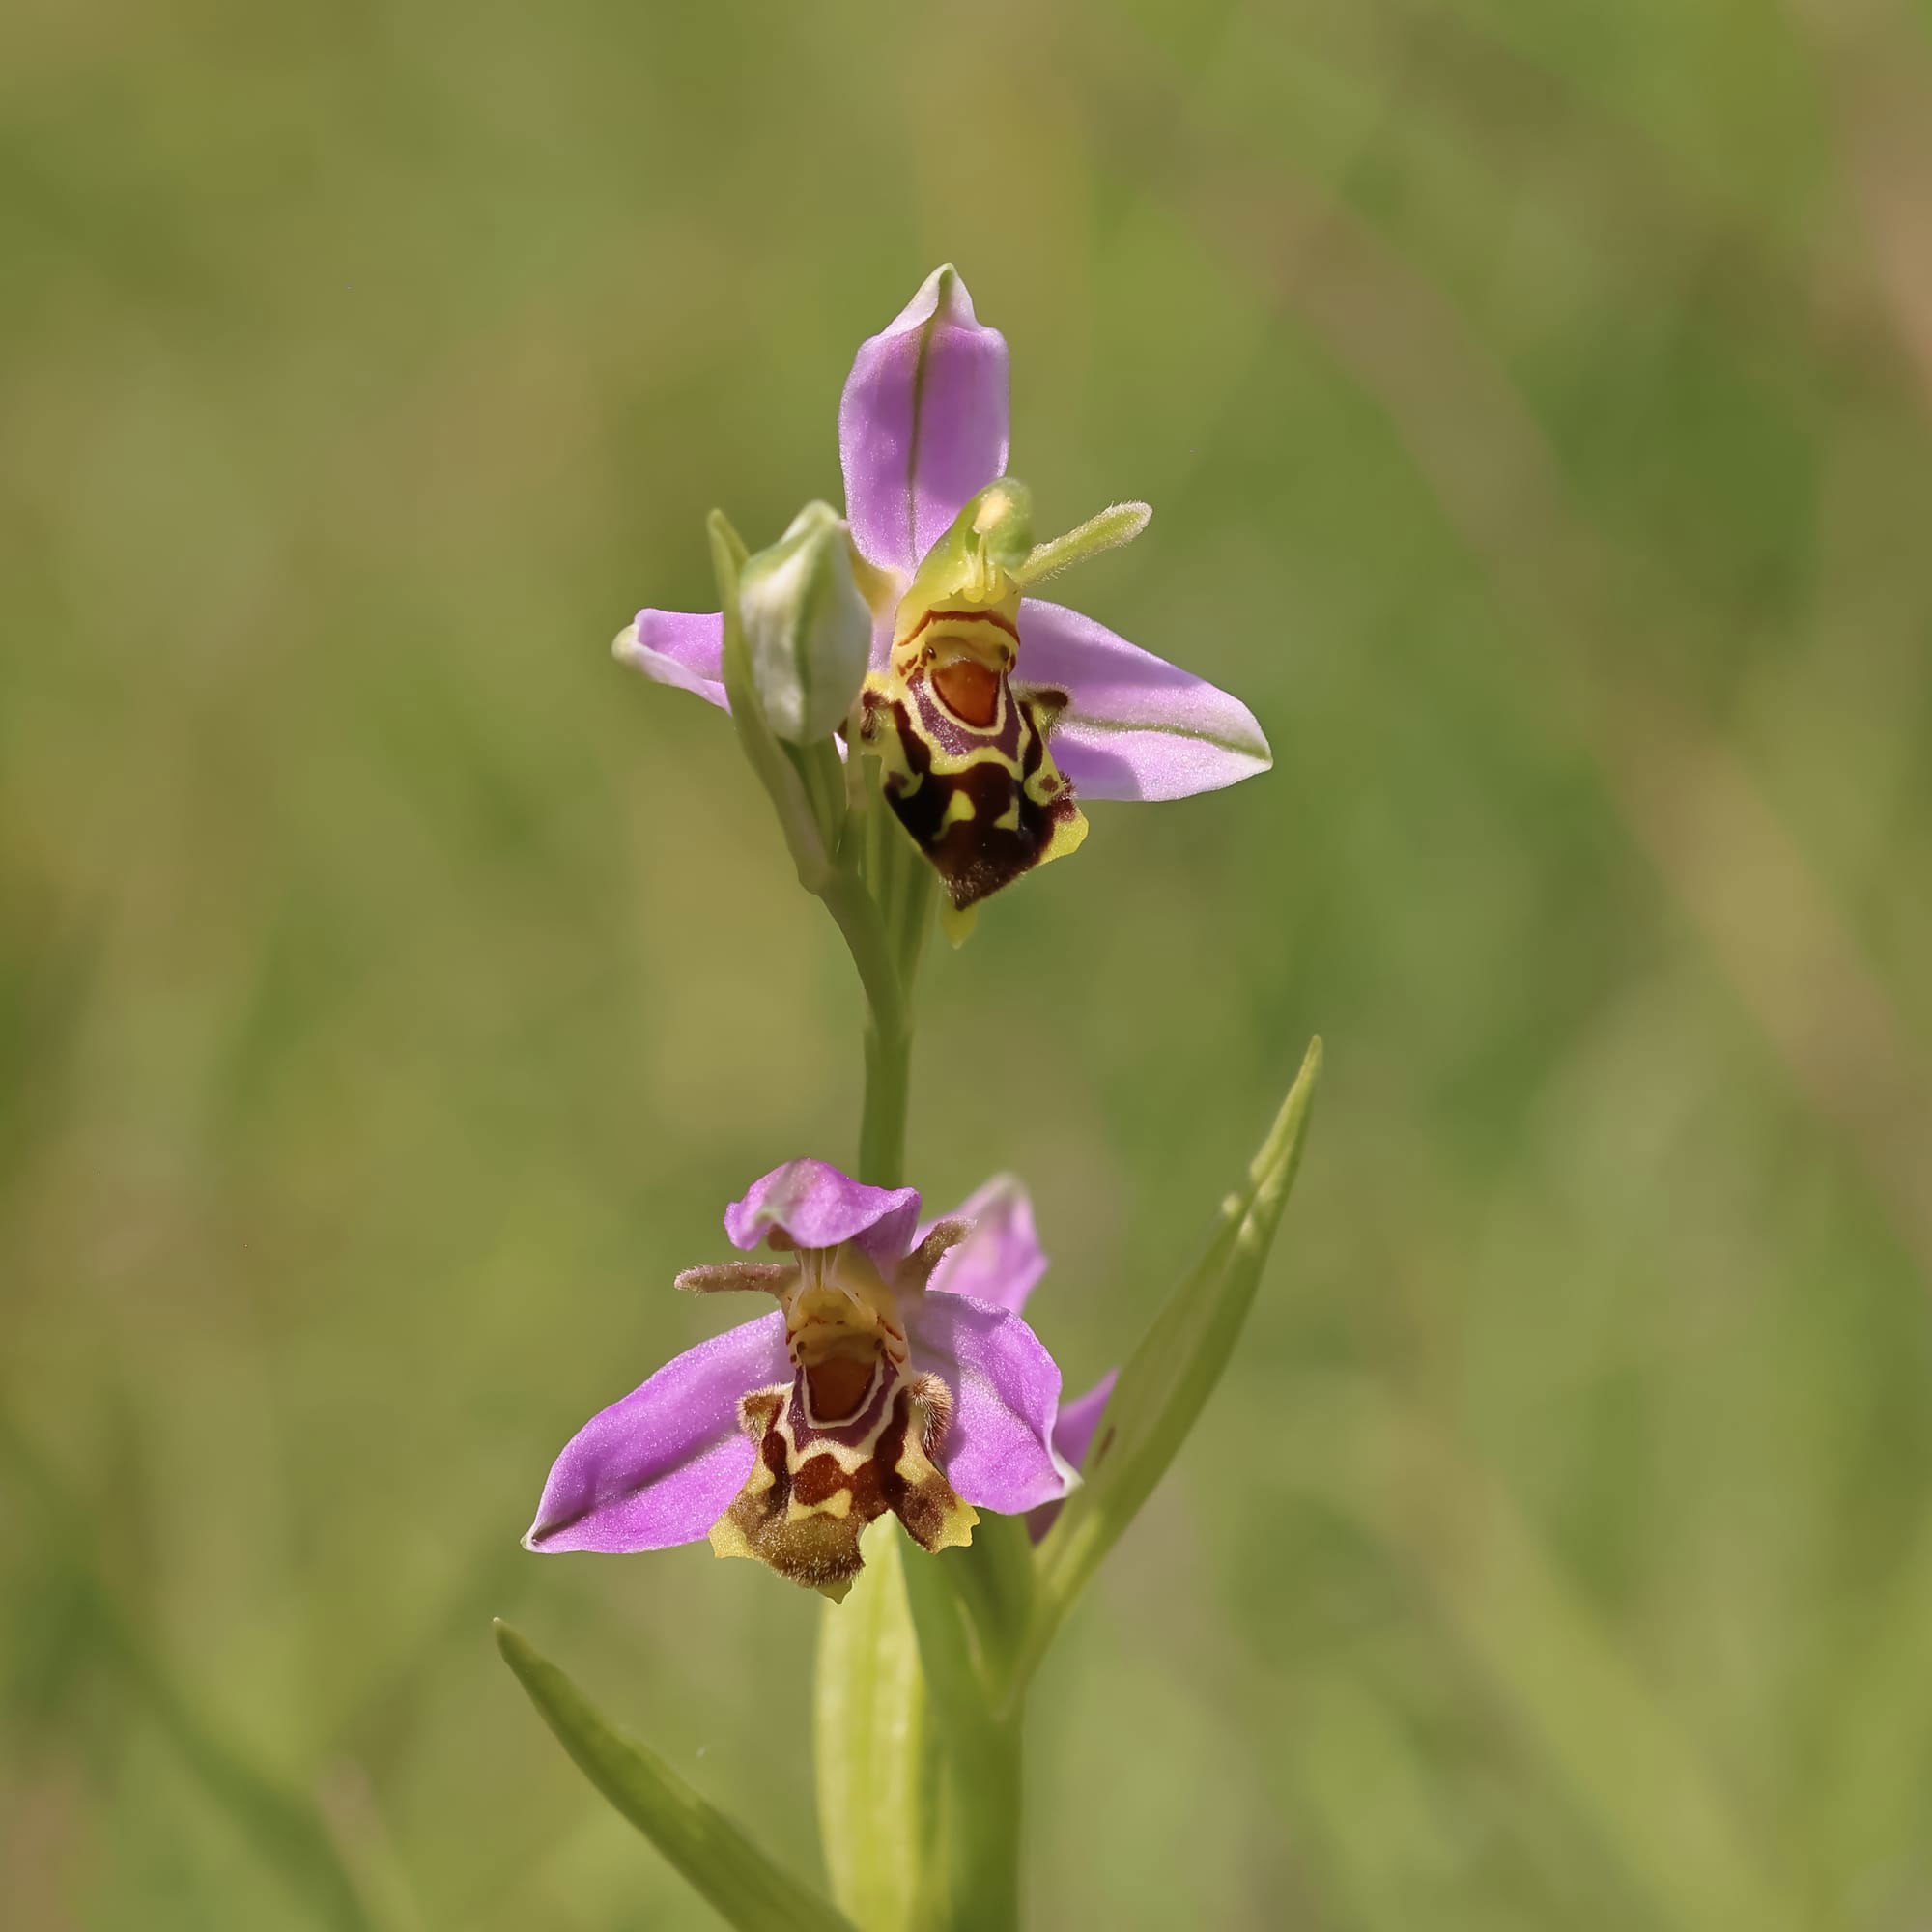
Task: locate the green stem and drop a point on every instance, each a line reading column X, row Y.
column 881, row 1125
column 881, row 894
column 888, row 1025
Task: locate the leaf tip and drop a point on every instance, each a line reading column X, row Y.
column 512, row 1646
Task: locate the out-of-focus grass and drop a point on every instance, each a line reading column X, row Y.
column 1537, row 402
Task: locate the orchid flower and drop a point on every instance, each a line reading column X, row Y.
column 895, row 1375
column 993, row 712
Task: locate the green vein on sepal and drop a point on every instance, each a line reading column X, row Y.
column 1161, row 728
column 1171, row 1374
column 737, row 1879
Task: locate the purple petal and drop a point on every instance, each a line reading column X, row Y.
column 1137, row 727
column 1000, row 1261
column 661, row 1467
column 923, row 422
column 1073, row 1431
column 998, row 1452
column 677, row 647
column 1073, row 1437
column 814, row 1205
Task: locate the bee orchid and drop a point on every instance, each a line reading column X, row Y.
column 895, row 1375
column 993, row 712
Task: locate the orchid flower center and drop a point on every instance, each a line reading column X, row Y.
column 858, row 1430
column 958, row 627
column 843, row 1323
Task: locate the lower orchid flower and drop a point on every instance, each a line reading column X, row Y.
column 993, row 710
column 896, row 1375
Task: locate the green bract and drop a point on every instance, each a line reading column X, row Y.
column 807, row 629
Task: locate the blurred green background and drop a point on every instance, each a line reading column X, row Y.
column 1537, row 404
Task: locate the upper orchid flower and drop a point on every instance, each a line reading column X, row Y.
column 993, row 711
column 867, row 1391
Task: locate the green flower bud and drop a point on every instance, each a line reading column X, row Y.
column 808, row 630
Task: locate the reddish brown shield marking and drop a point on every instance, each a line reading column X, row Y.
column 971, row 692
column 839, row 1386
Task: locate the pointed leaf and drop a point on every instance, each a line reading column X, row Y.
column 740, row 1882
column 1169, row 1378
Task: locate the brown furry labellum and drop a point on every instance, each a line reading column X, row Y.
column 819, row 1480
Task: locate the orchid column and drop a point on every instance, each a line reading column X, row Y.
column 928, row 733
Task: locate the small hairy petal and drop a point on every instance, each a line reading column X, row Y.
column 1135, row 726
column 659, row 1468
column 935, row 1242
column 1000, row 1261
column 738, row 1278
column 810, row 1204
column 923, row 422
column 998, row 1452
column 683, row 648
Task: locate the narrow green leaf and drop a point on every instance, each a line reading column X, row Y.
column 1169, row 1376
column 871, row 1741
column 739, row 1880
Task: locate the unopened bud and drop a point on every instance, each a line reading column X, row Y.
column 808, row 630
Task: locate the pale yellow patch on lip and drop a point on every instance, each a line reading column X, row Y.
column 837, row 1506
